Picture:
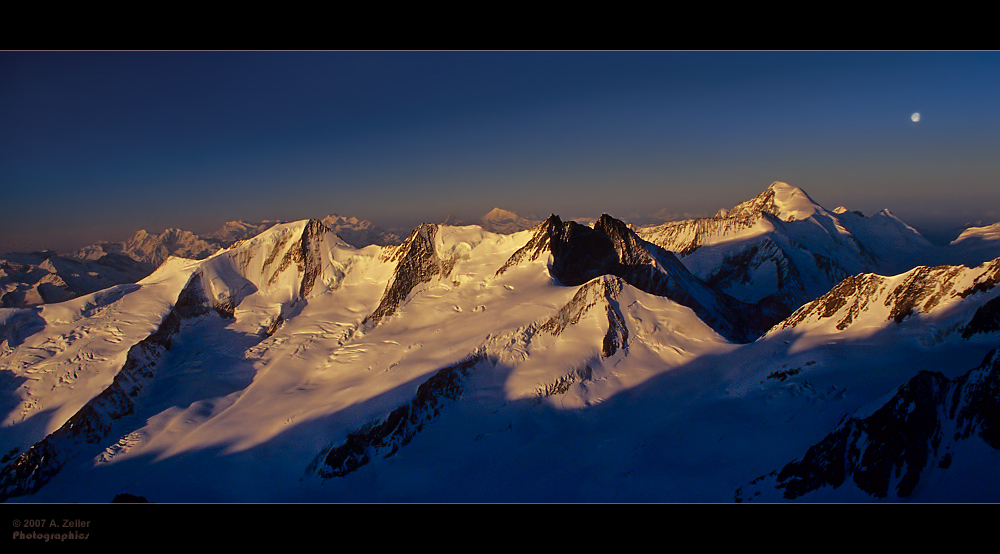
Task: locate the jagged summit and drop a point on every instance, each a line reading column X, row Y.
column 580, row 253
column 417, row 262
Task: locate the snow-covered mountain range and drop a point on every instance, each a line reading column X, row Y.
column 784, row 247
column 43, row 277
column 562, row 362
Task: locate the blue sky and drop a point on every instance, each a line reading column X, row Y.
column 96, row 145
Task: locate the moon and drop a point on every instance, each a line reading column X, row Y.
column 915, row 117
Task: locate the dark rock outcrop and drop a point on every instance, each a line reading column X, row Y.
column 920, row 290
column 304, row 254
column 400, row 426
column 580, row 253
column 857, row 291
column 604, row 291
column 417, row 262
column 985, row 320
column 889, row 451
column 923, row 288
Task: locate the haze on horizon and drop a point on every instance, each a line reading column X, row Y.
column 96, row 145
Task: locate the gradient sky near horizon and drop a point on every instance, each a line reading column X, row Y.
column 96, row 145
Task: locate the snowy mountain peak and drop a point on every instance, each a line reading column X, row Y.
column 505, row 222
column 284, row 263
column 780, row 199
column 417, row 262
column 499, row 214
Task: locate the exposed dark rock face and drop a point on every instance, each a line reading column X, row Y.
column 831, row 269
column 985, row 320
column 986, row 281
column 923, row 283
column 579, row 254
column 903, row 438
column 734, row 267
column 562, row 384
column 272, row 256
column 275, row 325
column 975, row 402
column 856, row 291
column 402, row 424
column 417, row 262
column 538, row 244
column 921, row 291
column 617, row 335
column 304, row 254
column 9, row 455
column 191, row 302
column 781, row 375
column 605, row 291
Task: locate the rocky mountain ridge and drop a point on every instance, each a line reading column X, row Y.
column 891, row 451
column 871, row 301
